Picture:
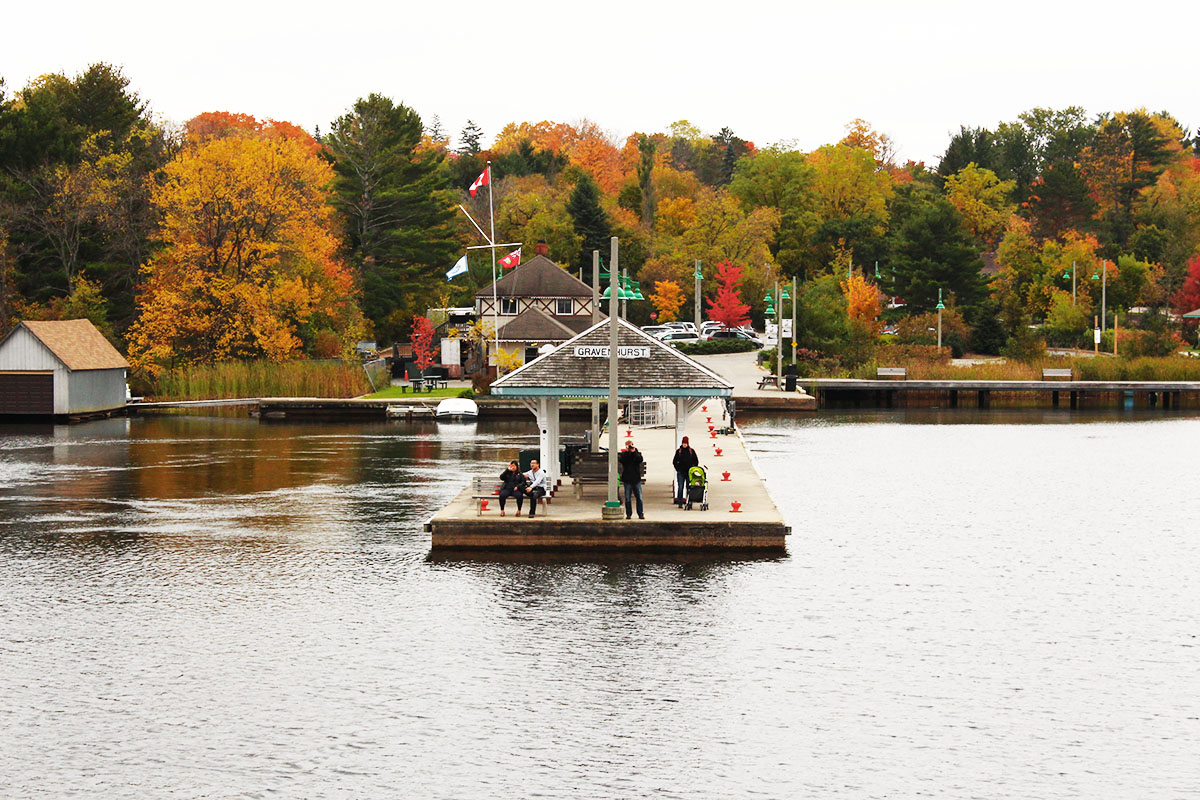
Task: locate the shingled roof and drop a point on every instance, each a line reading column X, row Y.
column 664, row 373
column 534, row 325
column 538, row 277
column 77, row 343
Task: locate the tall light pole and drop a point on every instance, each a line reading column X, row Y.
column 940, row 306
column 1103, row 294
column 697, row 301
column 595, row 319
column 614, row 317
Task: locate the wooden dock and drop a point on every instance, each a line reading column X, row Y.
column 576, row 524
column 885, row 393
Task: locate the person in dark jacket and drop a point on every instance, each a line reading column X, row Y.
column 685, row 459
column 629, row 462
column 512, row 484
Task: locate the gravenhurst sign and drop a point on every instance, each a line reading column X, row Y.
column 582, row 351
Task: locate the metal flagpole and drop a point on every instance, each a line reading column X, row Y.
column 492, row 239
column 614, row 317
column 595, row 319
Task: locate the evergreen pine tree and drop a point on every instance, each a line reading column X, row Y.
column 399, row 212
column 470, row 140
column 590, row 222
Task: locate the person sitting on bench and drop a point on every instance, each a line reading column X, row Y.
column 537, row 484
column 512, row 484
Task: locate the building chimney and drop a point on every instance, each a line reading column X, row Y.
column 541, row 249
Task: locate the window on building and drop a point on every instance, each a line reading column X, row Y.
column 508, row 305
column 530, row 354
column 564, row 307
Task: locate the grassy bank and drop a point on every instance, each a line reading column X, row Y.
column 1101, row 368
column 232, row 379
column 393, row 392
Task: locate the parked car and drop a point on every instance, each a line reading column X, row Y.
column 734, row 333
column 683, row 326
column 678, row 336
column 654, row 330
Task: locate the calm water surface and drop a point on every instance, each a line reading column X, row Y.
column 974, row 604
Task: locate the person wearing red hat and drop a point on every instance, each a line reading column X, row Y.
column 685, row 459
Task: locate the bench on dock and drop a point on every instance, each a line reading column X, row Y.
column 592, row 468
column 768, row 380
column 1057, row 373
column 486, row 488
column 892, row 372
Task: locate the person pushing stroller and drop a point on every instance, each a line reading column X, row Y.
column 685, row 459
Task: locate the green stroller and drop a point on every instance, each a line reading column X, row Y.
column 697, row 489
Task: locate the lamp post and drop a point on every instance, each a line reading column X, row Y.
column 1103, row 294
column 940, row 306
column 1072, row 274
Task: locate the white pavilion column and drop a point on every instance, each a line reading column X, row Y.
column 550, row 453
column 543, row 418
column 682, row 412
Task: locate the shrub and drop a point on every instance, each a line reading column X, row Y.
column 715, row 346
column 467, row 393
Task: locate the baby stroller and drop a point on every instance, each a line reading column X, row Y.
column 697, row 488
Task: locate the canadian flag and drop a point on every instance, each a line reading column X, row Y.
column 512, row 259
column 483, row 180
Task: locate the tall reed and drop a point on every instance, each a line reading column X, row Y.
column 232, row 379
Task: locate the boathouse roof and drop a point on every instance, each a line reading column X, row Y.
column 77, row 343
column 538, row 277
column 535, row 325
column 647, row 367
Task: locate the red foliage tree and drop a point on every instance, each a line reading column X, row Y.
column 1188, row 297
column 727, row 308
column 422, row 342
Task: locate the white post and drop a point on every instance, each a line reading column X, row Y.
column 614, row 320
column 595, row 319
column 492, row 241
column 543, row 414
column 551, row 465
column 681, row 419
column 1104, row 298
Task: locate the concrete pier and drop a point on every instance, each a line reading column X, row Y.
column 575, row 523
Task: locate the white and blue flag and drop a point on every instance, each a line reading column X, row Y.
column 457, row 269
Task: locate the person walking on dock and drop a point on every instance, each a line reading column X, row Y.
column 537, row 485
column 685, row 459
column 630, row 463
column 512, row 484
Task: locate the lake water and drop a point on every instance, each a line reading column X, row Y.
column 973, row 604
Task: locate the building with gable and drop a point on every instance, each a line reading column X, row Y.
column 535, row 304
column 60, row 368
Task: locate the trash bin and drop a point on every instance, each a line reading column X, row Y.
column 525, row 456
column 789, row 382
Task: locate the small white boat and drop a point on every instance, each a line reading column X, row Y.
column 457, row 408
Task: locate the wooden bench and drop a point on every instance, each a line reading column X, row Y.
column 1057, row 373
column 892, row 372
column 768, row 380
column 485, row 488
column 593, row 469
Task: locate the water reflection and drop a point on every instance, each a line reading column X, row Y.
column 997, row 604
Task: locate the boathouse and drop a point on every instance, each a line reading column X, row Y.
column 536, row 304
column 578, row 368
column 60, row 368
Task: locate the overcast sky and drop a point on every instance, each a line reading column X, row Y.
column 770, row 71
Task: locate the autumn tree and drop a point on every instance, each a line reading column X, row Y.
column 932, row 251
column 249, row 263
column 983, row 201
column 1188, row 297
column 727, row 307
column 667, row 299
column 399, row 212
column 422, row 342
column 864, row 303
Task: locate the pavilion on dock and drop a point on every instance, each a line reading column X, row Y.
column 579, row 368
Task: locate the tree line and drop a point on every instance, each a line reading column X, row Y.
column 230, row 237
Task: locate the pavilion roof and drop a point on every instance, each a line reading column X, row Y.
column 579, row 368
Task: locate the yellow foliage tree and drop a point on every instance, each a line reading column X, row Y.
column 864, row 304
column 667, row 299
column 983, row 201
column 249, row 266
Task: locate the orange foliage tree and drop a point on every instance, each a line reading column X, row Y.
column 667, row 299
column 249, row 266
column 864, row 303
